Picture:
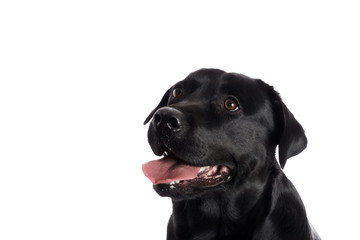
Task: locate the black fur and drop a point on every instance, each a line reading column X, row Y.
column 259, row 202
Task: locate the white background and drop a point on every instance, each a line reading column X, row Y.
column 78, row 78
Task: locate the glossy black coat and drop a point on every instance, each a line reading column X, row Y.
column 259, row 202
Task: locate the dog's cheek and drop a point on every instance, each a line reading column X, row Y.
column 193, row 149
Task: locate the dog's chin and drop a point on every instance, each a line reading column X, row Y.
column 188, row 189
column 179, row 179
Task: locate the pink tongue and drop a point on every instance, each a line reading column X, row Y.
column 167, row 170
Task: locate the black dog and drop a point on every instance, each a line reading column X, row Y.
column 218, row 133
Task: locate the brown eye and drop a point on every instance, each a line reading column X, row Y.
column 231, row 104
column 177, row 92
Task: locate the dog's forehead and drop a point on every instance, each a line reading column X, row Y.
column 204, row 78
column 212, row 81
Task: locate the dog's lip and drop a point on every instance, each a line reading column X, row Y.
column 207, row 177
column 168, row 152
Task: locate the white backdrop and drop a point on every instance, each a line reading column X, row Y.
column 78, row 78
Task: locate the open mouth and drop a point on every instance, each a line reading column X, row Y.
column 176, row 173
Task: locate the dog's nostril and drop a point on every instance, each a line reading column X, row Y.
column 157, row 118
column 174, row 124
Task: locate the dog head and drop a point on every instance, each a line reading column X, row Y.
column 214, row 129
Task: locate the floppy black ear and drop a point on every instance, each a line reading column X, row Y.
column 292, row 137
column 162, row 103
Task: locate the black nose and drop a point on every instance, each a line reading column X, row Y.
column 169, row 118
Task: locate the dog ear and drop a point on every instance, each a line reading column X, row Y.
column 162, row 103
column 292, row 136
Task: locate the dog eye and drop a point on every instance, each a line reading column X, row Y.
column 231, row 104
column 177, row 92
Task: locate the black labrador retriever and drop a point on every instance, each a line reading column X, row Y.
column 217, row 133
